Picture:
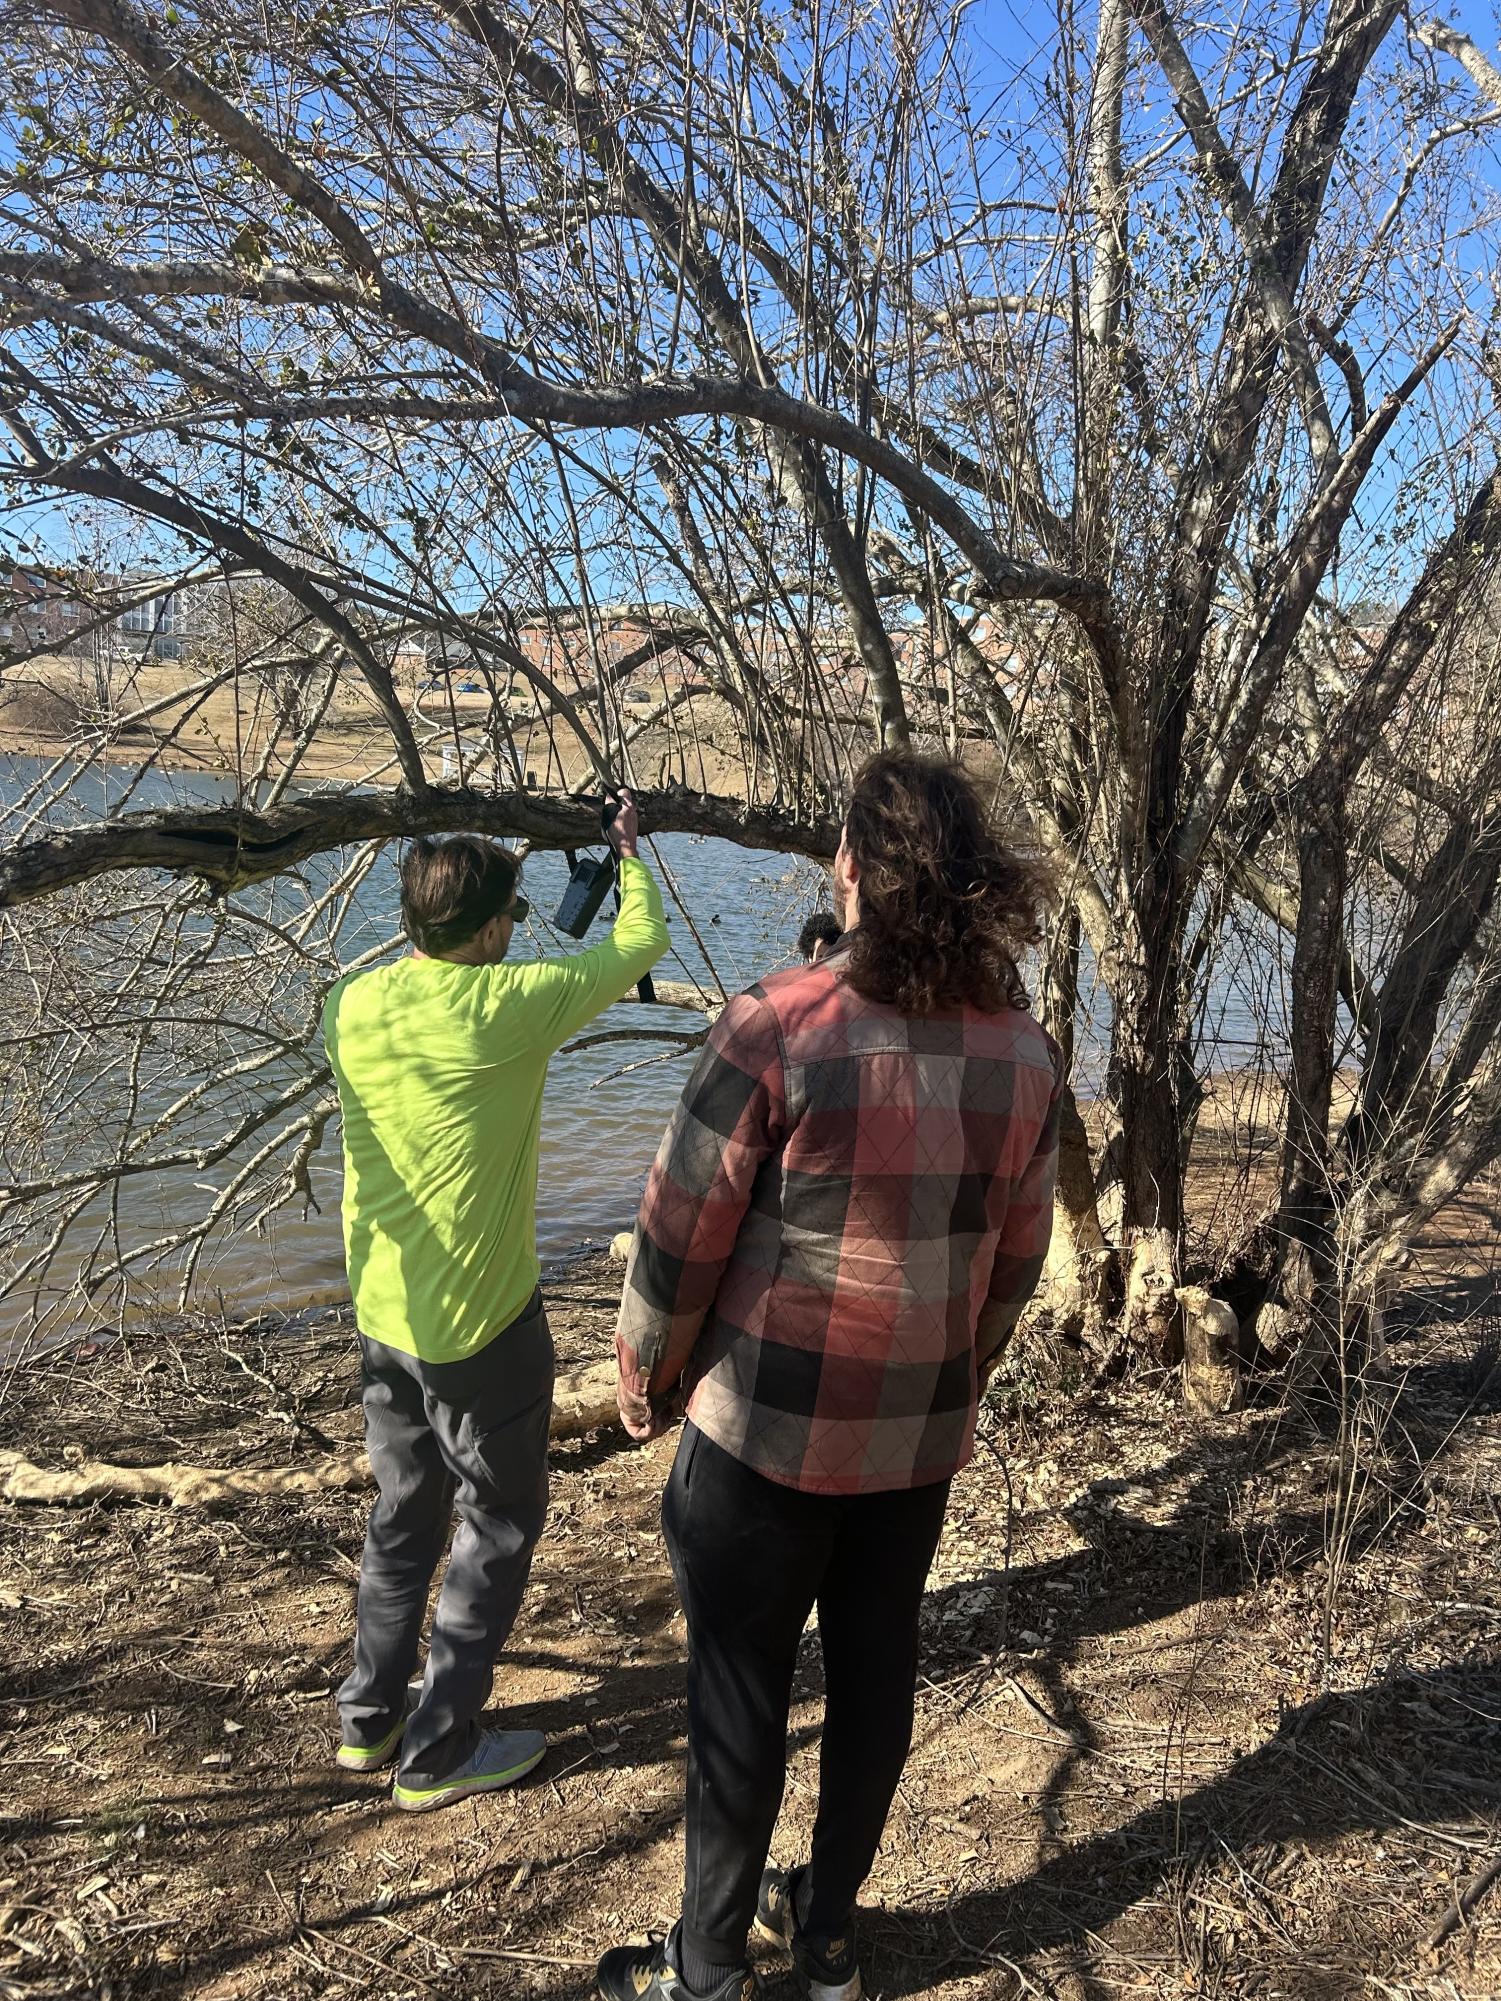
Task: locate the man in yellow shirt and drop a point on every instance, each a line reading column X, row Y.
column 440, row 1060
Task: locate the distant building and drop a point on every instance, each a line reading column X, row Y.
column 36, row 614
column 156, row 628
column 41, row 614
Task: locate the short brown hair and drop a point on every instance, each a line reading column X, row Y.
column 946, row 908
column 451, row 889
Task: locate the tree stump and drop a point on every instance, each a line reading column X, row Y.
column 1211, row 1353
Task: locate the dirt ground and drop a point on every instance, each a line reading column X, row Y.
column 1208, row 1709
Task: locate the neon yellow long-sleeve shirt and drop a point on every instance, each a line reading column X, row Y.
column 440, row 1069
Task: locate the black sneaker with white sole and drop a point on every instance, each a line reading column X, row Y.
column 650, row 1973
column 827, row 1966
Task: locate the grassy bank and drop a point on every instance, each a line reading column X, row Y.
column 160, row 713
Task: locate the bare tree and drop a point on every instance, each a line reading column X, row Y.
column 1068, row 411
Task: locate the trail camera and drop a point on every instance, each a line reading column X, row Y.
column 587, row 889
column 589, row 884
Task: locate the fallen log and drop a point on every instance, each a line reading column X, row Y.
column 583, row 1401
column 184, row 1486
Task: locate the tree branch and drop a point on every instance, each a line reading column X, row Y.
column 1482, row 72
column 522, row 397
column 1222, row 173
column 1290, row 593
column 231, row 846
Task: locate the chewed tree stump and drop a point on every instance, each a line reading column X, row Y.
column 1211, row 1352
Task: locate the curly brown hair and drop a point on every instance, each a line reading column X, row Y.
column 946, row 909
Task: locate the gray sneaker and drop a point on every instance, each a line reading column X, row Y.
column 499, row 1759
column 371, row 1757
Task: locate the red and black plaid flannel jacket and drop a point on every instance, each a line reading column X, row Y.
column 848, row 1212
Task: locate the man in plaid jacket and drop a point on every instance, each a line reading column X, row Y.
column 849, row 1210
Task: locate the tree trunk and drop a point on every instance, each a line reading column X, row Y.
column 1306, row 1212
column 1146, row 1064
column 1077, row 1281
column 584, row 1399
column 1211, row 1353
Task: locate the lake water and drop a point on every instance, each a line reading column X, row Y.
column 600, row 1127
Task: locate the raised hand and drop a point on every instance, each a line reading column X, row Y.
column 623, row 828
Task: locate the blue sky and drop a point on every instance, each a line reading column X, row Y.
column 1002, row 35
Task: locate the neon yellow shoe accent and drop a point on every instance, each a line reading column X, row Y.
column 370, row 1757
column 502, row 1757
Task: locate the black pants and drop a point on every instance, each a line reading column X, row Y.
column 751, row 1560
column 471, row 1434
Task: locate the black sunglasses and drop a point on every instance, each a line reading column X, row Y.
column 519, row 911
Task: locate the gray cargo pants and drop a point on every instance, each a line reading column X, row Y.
column 472, row 1434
